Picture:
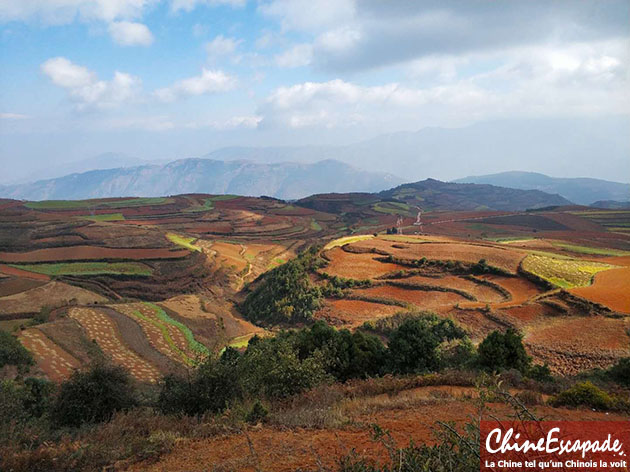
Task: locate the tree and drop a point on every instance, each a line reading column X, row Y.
column 12, row 352
column 93, row 396
column 502, row 351
column 413, row 346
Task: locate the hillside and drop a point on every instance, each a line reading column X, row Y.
column 282, row 180
column 579, row 190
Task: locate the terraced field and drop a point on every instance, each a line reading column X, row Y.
column 51, row 359
column 103, row 330
column 563, row 272
column 87, row 268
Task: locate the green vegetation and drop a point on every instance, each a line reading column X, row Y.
column 193, row 344
column 315, row 226
column 413, row 346
column 285, row 294
column 223, row 198
column 12, row 352
column 183, row 241
column 502, row 351
column 104, row 217
column 391, row 208
column 73, row 204
column 207, row 206
column 620, row 372
column 584, row 394
column 88, row 268
column 563, row 272
column 598, row 251
column 93, row 396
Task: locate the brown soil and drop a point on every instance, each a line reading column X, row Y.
column 610, row 288
column 53, row 361
column 13, row 285
column 52, row 294
column 78, row 253
column 353, row 313
column 357, row 266
column 425, row 300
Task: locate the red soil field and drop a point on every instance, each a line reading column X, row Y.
column 353, row 313
column 51, row 359
column 521, row 289
column 89, row 252
column 13, row 285
column 5, row 269
column 438, row 301
column 503, row 257
column 483, row 293
column 610, row 288
column 52, row 294
column 357, row 266
column 286, row 450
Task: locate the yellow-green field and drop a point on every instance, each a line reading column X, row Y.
column 87, row 268
column 347, row 240
column 183, row 241
column 596, row 251
column 563, row 272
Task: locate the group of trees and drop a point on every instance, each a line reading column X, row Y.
column 285, row 294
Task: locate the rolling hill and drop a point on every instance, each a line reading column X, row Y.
column 579, row 190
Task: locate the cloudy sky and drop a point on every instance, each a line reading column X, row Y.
column 179, row 78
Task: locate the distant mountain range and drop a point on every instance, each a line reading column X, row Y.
column 579, row 146
column 583, row 191
column 281, row 180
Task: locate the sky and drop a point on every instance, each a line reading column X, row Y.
column 166, row 79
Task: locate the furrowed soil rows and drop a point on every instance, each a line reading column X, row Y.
column 104, row 331
column 357, row 266
column 426, row 300
column 521, row 289
column 53, row 361
column 610, row 288
column 483, row 293
column 85, row 253
column 505, row 258
column 353, row 313
column 53, row 294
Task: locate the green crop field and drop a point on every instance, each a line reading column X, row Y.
column 315, row 226
column 88, row 268
column 73, row 204
column 598, row 251
column 347, row 240
column 193, row 344
column 207, row 206
column 391, row 208
column 563, row 272
column 183, row 241
column 222, row 198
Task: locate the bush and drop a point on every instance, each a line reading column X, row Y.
column 620, row 372
column 542, row 373
column 212, row 387
column 93, row 396
column 272, row 368
column 12, row 352
column 503, row 351
column 584, row 394
column 257, row 414
column 413, row 346
column 348, row 355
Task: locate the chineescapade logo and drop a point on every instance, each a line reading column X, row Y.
column 555, row 446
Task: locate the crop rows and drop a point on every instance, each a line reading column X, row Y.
column 564, row 273
column 56, row 363
column 103, row 330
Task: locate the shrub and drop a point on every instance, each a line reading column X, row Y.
column 584, row 394
column 212, row 387
column 93, row 395
column 502, row 351
column 620, row 372
column 272, row 368
column 12, row 352
column 257, row 414
column 542, row 373
column 413, row 346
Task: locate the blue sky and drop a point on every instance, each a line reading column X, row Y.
column 161, row 79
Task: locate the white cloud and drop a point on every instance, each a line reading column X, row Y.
column 86, row 90
column 309, row 15
column 126, row 33
column 66, row 11
column 298, row 56
column 13, row 116
column 64, row 73
column 221, row 46
column 188, row 5
column 210, row 81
